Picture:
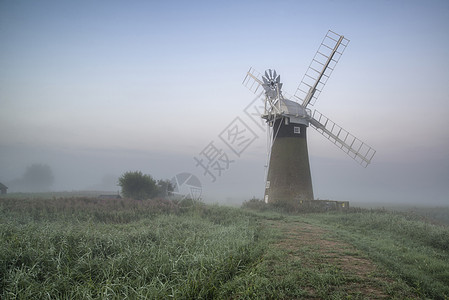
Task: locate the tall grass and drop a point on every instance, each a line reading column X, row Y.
column 119, row 248
column 415, row 250
column 90, row 248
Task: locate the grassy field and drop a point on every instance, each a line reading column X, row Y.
column 409, row 248
column 97, row 249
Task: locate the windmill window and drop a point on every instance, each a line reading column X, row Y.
column 286, row 121
column 297, row 130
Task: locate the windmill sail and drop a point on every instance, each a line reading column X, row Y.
column 252, row 81
column 321, row 67
column 355, row 148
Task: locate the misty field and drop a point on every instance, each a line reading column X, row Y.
column 97, row 249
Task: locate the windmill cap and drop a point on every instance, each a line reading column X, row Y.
column 296, row 112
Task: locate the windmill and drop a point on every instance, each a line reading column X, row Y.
column 288, row 180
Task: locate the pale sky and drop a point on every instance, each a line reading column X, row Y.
column 97, row 88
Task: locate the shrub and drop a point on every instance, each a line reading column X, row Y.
column 255, row 204
column 138, row 186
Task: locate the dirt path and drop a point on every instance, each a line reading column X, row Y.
column 337, row 267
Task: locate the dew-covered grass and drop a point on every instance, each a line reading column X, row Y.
column 90, row 248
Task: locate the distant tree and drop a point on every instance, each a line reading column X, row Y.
column 138, row 186
column 37, row 178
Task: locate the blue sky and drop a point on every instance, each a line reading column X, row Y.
column 97, row 88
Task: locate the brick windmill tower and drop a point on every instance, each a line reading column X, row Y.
column 288, row 178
